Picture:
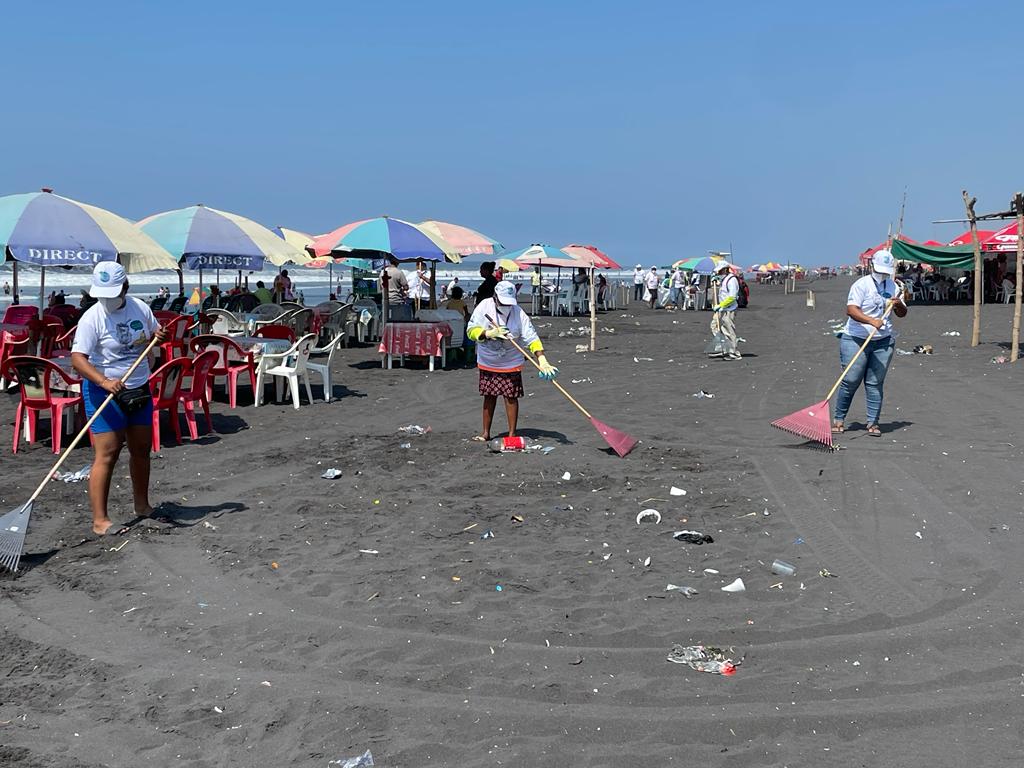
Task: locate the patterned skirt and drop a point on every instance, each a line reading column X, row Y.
column 497, row 384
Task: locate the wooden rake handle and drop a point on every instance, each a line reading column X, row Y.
column 85, row 429
column 863, row 346
column 536, row 365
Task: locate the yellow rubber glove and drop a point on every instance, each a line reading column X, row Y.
column 548, row 372
column 500, row 332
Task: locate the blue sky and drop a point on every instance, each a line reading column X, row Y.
column 654, row 130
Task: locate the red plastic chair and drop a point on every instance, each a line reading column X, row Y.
column 177, row 330
column 11, row 344
column 232, row 361
column 165, row 382
column 198, row 391
column 20, row 314
column 35, row 375
column 165, row 316
column 63, row 343
column 49, row 332
column 203, row 324
column 276, row 332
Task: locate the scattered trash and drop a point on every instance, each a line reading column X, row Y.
column 488, row 534
column 782, row 568
column 567, row 476
column 582, row 381
column 651, row 515
column 265, row 684
column 903, row 352
column 798, row 540
column 686, row 592
column 673, row 491
column 580, row 331
column 517, row 518
column 364, row 760
column 736, row 586
column 923, row 349
column 951, row 333
column 702, row 394
column 274, row 566
column 331, row 474
column 918, row 534
column 208, row 524
column 825, row 573
column 647, row 562
column 369, row 551
column 704, row 658
column 73, row 477
column 582, row 347
column 710, row 572
column 693, row 537
column 498, row 588
column 606, row 329
column 414, row 429
column 516, row 445
column 1000, row 359
column 643, row 359
column 405, row 445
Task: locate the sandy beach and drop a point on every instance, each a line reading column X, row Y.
column 287, row 620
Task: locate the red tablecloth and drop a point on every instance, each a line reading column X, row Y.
column 413, row 338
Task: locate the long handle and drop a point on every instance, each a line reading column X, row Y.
column 859, row 351
column 85, row 429
column 536, row 365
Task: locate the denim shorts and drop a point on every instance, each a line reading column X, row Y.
column 112, row 418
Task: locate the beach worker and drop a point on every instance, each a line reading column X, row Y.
column 867, row 302
column 263, row 293
column 651, row 281
column 535, row 281
column 677, row 290
column 111, row 335
column 724, row 320
column 486, row 289
column 638, row 283
column 493, row 321
column 398, row 291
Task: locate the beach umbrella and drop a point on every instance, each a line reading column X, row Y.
column 507, row 265
column 705, row 266
column 385, row 235
column 687, row 264
column 1002, row 240
column 965, row 238
column 293, row 237
column 466, row 241
column 49, row 230
column 600, row 259
column 538, row 255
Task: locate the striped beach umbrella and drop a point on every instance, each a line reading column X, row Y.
column 385, row 235
column 294, row 237
column 592, row 254
column 52, row 231
column 465, row 240
column 538, row 255
column 206, row 238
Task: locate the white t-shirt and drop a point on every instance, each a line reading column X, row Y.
column 868, row 295
column 730, row 287
column 652, row 280
column 495, row 354
column 638, row 277
column 678, row 279
column 113, row 341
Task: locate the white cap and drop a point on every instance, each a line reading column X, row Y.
column 883, row 262
column 108, row 278
column 722, row 265
column 505, row 293
column 638, row 266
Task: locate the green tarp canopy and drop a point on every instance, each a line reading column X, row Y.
column 949, row 256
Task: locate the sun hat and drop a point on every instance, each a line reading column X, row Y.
column 108, row 278
column 723, row 265
column 639, row 266
column 505, row 293
column 883, row 262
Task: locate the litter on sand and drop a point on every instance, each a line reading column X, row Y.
column 704, row 658
column 673, row 491
column 643, row 359
column 923, row 349
column 582, row 348
column 567, row 476
column 686, row 592
column 736, row 586
column 414, row 429
column 693, row 537
column 73, row 477
column 648, row 515
column 702, row 394
column 331, row 474
column 1000, row 359
column 362, row 761
column 951, row 333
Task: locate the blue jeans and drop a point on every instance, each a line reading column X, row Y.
column 870, row 368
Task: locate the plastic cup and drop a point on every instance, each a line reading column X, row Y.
column 782, row 568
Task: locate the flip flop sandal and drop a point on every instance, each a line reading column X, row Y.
column 478, row 439
column 874, row 431
column 838, row 429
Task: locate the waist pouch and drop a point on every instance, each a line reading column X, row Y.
column 134, row 399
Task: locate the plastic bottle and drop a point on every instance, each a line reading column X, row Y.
column 507, row 444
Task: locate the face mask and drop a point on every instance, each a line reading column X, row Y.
column 112, row 305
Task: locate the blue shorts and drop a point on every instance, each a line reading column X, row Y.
column 112, row 418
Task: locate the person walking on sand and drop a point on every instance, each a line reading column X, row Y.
column 866, row 304
column 724, row 320
column 111, row 335
column 638, row 283
column 493, row 322
column 651, row 281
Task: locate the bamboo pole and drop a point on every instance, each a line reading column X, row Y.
column 979, row 286
column 593, row 312
column 1018, row 204
column 433, row 284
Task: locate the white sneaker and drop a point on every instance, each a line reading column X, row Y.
column 734, row 356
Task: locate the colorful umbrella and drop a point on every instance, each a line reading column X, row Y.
column 402, row 239
column 687, row 264
column 591, row 254
column 49, row 230
column 294, row 237
column 705, row 266
column 538, row 255
column 508, row 265
column 466, row 241
column 208, row 238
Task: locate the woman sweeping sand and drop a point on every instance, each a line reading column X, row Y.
column 493, row 321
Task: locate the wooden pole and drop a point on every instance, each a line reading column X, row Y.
column 593, row 313
column 433, row 284
column 1018, row 204
column 181, row 282
column 979, row 286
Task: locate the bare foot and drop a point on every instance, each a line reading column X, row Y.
column 109, row 528
column 481, row 438
column 146, row 511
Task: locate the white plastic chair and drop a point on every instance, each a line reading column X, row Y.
column 321, row 365
column 370, row 329
column 225, row 323
column 291, row 366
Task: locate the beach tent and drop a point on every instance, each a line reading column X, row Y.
column 964, row 238
column 949, row 256
column 1002, row 240
column 865, row 256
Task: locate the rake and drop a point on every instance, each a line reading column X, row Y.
column 617, row 440
column 815, row 421
column 14, row 525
